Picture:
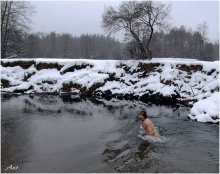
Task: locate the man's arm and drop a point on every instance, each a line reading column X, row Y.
column 147, row 128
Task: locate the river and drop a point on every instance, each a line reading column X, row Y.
column 46, row 133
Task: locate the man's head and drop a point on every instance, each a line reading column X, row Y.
column 142, row 115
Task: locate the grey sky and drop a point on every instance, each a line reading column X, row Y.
column 78, row 17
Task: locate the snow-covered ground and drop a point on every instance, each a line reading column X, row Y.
column 184, row 79
column 206, row 110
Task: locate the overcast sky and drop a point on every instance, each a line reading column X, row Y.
column 78, row 17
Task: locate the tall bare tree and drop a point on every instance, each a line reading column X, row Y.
column 14, row 23
column 203, row 31
column 139, row 20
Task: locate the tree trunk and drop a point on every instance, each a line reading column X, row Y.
column 5, row 34
column 148, row 42
column 140, row 45
column 3, row 11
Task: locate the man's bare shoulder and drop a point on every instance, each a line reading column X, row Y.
column 147, row 121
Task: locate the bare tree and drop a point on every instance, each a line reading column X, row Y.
column 139, row 20
column 203, row 31
column 86, row 43
column 5, row 16
column 14, row 25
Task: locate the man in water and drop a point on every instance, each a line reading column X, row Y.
column 147, row 124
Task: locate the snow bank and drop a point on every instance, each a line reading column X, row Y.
column 206, row 110
column 161, row 80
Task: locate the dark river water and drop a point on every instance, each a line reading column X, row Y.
column 66, row 134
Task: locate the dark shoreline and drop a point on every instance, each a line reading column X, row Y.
column 147, row 99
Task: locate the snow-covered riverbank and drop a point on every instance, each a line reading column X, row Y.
column 161, row 81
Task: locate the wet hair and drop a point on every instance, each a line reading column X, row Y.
column 144, row 114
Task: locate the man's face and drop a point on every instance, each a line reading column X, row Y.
column 141, row 117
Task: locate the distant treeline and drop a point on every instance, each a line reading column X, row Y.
column 65, row 45
column 142, row 39
column 178, row 42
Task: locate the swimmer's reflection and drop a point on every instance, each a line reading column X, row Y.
column 143, row 150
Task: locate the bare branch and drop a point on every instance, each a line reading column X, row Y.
column 139, row 19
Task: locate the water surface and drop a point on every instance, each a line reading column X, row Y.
column 44, row 133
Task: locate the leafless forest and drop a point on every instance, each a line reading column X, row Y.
column 147, row 34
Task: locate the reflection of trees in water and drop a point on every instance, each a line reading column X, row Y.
column 122, row 110
column 49, row 104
